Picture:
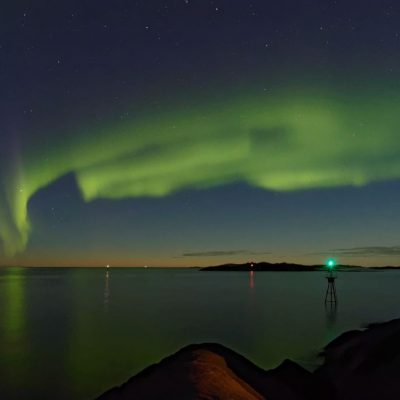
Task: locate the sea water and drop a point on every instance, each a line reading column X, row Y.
column 74, row 333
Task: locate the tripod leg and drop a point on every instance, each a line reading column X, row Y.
column 334, row 292
column 326, row 294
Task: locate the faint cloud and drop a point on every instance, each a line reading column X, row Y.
column 366, row 251
column 222, row 253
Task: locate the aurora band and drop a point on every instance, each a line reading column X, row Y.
column 288, row 140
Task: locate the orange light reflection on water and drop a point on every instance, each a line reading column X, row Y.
column 251, row 282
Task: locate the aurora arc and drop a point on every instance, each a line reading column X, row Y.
column 283, row 141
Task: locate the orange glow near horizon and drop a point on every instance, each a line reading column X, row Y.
column 101, row 260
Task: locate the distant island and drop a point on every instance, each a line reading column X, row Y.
column 289, row 267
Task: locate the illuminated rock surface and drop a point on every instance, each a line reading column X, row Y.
column 212, row 371
column 358, row 365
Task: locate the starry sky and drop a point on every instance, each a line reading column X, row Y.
column 197, row 132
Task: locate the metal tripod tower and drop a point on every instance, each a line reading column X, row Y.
column 330, row 295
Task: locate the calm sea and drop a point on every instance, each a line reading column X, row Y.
column 73, row 333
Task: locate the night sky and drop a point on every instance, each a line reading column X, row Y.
column 196, row 132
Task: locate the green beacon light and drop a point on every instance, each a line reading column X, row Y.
column 331, row 264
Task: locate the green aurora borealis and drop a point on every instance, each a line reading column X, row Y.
column 286, row 140
column 178, row 133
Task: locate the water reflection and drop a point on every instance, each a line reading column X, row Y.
column 331, row 312
column 14, row 313
column 251, row 281
column 13, row 332
column 106, row 290
column 56, row 317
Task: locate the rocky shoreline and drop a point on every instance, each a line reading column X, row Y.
column 362, row 364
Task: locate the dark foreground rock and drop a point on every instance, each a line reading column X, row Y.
column 358, row 365
column 364, row 364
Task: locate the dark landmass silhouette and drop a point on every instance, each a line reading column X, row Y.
column 363, row 364
column 266, row 266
